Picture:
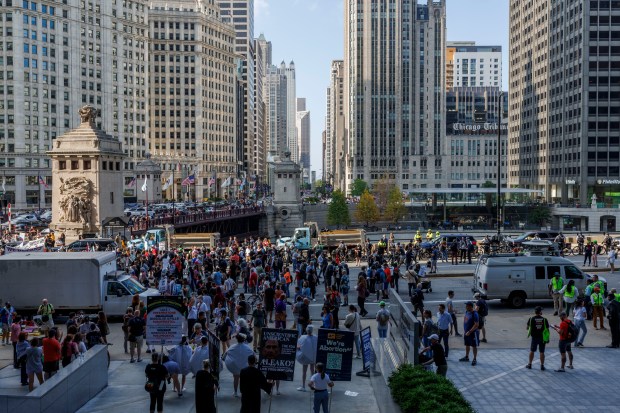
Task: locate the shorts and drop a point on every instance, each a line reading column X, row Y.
column 537, row 344
column 564, row 346
column 51, row 366
column 481, row 320
column 472, row 339
column 137, row 343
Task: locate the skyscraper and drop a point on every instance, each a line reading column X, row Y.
column 276, row 107
column 54, row 58
column 335, row 132
column 241, row 15
column 292, row 140
column 192, row 103
column 564, row 131
column 395, row 92
column 262, row 61
column 302, row 124
column 468, row 65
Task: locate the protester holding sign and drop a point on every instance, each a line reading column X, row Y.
column 319, row 383
column 252, row 381
column 306, row 354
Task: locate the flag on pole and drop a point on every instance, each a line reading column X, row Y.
column 3, row 183
column 167, row 184
column 227, row 182
column 132, row 182
column 211, row 181
column 41, row 182
column 144, row 185
column 189, row 180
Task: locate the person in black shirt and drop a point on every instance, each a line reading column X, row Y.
column 270, row 295
column 156, row 373
column 136, row 335
column 536, row 327
column 252, row 381
column 206, row 387
column 439, row 357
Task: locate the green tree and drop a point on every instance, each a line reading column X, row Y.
column 395, row 208
column 367, row 210
column 338, row 212
column 381, row 189
column 358, row 187
column 539, row 215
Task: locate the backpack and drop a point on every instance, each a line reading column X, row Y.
column 483, row 308
column 383, row 318
column 572, row 332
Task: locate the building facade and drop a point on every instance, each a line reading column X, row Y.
column 292, row 140
column 564, row 130
column 56, row 57
column 302, row 123
column 395, row 92
column 468, row 65
column 336, row 142
column 471, row 134
column 192, row 96
column 276, row 107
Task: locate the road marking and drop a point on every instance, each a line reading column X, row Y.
column 500, row 375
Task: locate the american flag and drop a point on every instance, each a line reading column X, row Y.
column 132, row 182
column 42, row 182
column 211, row 181
column 189, row 180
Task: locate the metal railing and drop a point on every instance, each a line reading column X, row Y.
column 195, row 218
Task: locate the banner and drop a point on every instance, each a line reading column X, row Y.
column 164, row 320
column 335, row 351
column 367, row 354
column 214, row 353
column 8, row 249
column 277, row 356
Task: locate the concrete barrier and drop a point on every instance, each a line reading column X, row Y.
column 68, row 390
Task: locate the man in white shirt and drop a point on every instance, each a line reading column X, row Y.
column 353, row 323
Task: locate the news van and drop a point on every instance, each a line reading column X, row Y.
column 513, row 279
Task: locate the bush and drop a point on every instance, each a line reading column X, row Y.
column 416, row 390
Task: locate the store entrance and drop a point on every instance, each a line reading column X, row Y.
column 608, row 223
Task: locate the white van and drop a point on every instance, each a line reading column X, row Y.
column 513, row 279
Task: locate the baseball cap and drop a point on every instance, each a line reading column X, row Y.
column 382, row 304
column 434, row 337
column 469, row 303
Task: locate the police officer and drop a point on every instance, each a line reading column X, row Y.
column 555, row 285
column 598, row 299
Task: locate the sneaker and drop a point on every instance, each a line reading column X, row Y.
column 464, row 359
column 556, row 313
column 278, row 393
column 139, row 360
column 458, row 335
column 484, row 340
column 542, row 367
column 148, row 350
column 528, row 366
column 301, row 389
column 571, row 367
column 132, row 361
column 560, row 371
column 473, row 362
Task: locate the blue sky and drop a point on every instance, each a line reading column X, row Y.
column 310, row 32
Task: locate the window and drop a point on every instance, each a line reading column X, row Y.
column 540, row 273
column 552, row 269
column 572, row 273
column 62, row 165
column 87, row 165
column 75, row 165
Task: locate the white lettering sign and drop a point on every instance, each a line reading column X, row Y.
column 477, row 127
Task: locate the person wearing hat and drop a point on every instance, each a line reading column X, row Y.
column 383, row 320
column 555, row 285
column 482, row 309
column 438, row 355
column 538, row 330
column 598, row 299
column 470, row 329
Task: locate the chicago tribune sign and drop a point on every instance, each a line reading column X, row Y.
column 477, row 128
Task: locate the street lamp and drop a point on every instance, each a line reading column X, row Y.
column 499, row 162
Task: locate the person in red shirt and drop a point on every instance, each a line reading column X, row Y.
column 51, row 354
column 253, row 281
column 564, row 344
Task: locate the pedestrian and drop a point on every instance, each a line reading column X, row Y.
column 68, row 350
column 611, row 259
column 555, row 285
column 236, row 359
column 6, row 319
column 156, row 375
column 319, row 383
column 428, row 328
column 51, row 354
column 172, row 367
column 470, row 328
column 564, row 344
column 34, row 363
column 22, row 346
column 613, row 315
column 417, row 300
column 104, row 328
column 595, row 252
column 438, row 356
column 327, row 318
column 251, row 382
column 136, row 336
column 362, row 294
column 452, row 311
column 46, row 311
column 587, row 254
column 258, row 321
column 598, row 311
column 206, row 389
column 16, row 329
column 412, row 279
column 303, row 318
column 383, row 320
column 538, row 330
column 306, row 354
column 224, row 329
column 482, row 308
column 182, row 355
column 280, row 309
column 569, row 295
column 580, row 316
column 444, row 324
column 354, row 324
column 201, row 352
column 125, row 328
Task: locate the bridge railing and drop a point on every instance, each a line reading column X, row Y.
column 194, row 218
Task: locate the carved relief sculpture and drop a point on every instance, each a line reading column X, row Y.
column 76, row 200
column 88, row 114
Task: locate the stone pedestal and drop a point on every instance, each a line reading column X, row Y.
column 287, row 205
column 87, row 178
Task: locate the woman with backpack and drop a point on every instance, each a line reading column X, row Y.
column 68, row 350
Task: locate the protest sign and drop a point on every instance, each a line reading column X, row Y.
column 335, row 351
column 214, row 353
column 277, row 356
column 164, row 320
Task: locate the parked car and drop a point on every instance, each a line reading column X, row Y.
column 449, row 240
column 102, row 244
column 532, row 235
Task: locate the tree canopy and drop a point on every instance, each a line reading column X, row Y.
column 367, row 210
column 338, row 212
column 395, row 209
column 358, row 187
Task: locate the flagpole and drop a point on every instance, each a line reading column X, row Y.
column 39, row 177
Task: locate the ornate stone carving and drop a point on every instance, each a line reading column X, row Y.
column 286, row 154
column 88, row 114
column 76, row 200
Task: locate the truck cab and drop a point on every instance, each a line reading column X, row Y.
column 301, row 238
column 119, row 288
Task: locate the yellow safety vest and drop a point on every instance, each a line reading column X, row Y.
column 597, row 298
column 557, row 283
column 571, row 294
